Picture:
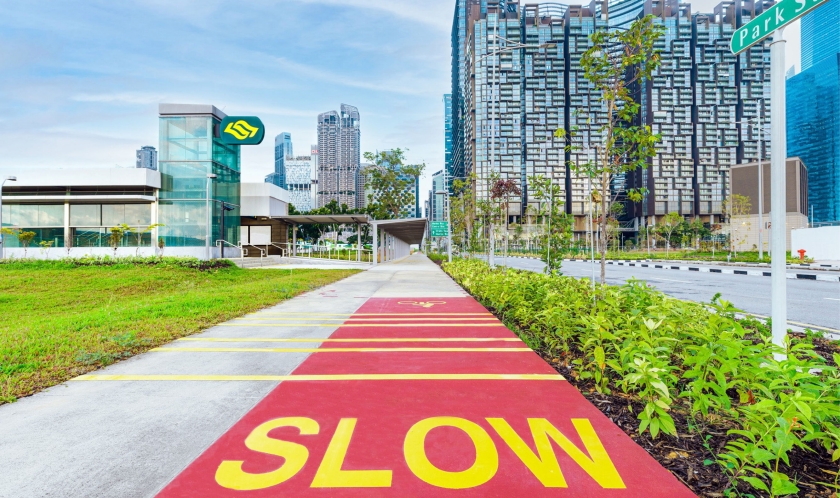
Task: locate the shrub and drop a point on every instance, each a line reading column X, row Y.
column 677, row 355
column 168, row 262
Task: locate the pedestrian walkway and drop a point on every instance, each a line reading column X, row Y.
column 392, row 382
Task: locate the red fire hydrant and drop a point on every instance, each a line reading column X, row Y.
column 801, row 254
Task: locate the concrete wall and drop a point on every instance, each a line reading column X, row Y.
column 746, row 234
column 263, row 200
column 822, row 244
column 83, row 177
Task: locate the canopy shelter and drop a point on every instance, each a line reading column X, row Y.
column 396, row 236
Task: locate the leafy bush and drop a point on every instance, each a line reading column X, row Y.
column 167, row 262
column 677, row 355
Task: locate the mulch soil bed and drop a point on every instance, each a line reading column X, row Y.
column 690, row 457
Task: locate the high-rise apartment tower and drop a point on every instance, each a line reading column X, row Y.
column 339, row 157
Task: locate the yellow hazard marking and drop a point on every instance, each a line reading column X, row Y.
column 424, row 304
column 482, row 470
column 336, row 350
column 231, row 475
column 376, row 339
column 276, row 378
column 345, row 325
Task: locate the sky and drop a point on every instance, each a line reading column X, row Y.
column 80, row 81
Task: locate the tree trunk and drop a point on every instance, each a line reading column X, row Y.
column 603, row 224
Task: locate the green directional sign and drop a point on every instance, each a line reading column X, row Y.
column 242, row 130
column 440, row 228
column 777, row 16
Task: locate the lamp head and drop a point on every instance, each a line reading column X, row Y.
column 212, row 175
column 11, row 178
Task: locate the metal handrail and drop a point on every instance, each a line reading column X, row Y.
column 283, row 250
column 242, row 251
column 262, row 252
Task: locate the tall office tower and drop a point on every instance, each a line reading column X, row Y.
column 339, row 157
column 459, row 82
column 147, row 157
column 282, row 151
column 436, row 201
column 299, row 182
column 447, row 132
column 313, row 154
column 820, row 34
column 813, row 110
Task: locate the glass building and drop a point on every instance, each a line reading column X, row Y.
column 820, row 34
column 190, row 149
column 282, row 151
column 447, row 132
column 813, row 132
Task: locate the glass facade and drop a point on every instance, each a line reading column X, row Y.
column 447, row 132
column 813, row 132
column 190, row 150
column 820, row 34
column 282, row 152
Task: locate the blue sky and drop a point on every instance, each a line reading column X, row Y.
column 80, row 81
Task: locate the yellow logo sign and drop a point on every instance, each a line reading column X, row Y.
column 241, row 129
column 425, row 304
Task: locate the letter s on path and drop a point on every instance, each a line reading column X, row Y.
column 230, row 474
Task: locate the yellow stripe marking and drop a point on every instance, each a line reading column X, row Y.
column 334, row 350
column 377, row 339
column 90, row 377
column 345, row 325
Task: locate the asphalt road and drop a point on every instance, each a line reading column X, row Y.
column 809, row 302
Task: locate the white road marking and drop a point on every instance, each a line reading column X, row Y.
column 669, row 280
column 832, row 299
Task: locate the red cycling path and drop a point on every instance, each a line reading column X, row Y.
column 422, row 396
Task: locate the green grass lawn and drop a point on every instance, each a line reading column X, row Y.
column 58, row 321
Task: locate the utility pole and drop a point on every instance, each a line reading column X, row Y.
column 778, row 189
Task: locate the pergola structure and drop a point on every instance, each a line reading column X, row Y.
column 397, row 236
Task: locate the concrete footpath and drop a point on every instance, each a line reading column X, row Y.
column 392, row 382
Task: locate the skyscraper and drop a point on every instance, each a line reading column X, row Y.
column 282, row 151
column 339, row 157
column 299, row 182
column 702, row 100
column 447, row 132
column 820, row 34
column 147, row 157
column 813, row 110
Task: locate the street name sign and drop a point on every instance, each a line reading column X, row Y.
column 242, row 130
column 440, row 228
column 777, row 16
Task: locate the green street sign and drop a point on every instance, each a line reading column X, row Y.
column 777, row 16
column 242, row 130
column 440, row 228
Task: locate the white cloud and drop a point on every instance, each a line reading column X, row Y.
column 436, row 13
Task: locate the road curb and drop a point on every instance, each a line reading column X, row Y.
column 702, row 269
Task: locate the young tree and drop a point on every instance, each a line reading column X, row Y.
column 736, row 209
column 667, row 226
column 501, row 192
column 614, row 64
column 391, row 182
column 462, row 213
column 558, row 225
column 117, row 234
column 24, row 237
column 139, row 235
column 161, row 245
column 46, row 245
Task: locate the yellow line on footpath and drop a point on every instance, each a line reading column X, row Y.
column 376, row 339
column 94, row 377
column 345, row 325
column 335, row 350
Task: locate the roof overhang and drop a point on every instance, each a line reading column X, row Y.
column 326, row 219
column 410, row 231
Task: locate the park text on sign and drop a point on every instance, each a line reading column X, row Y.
column 242, row 130
column 777, row 16
column 440, row 228
column 589, row 455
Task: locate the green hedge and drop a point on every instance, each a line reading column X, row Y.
column 677, row 355
column 128, row 261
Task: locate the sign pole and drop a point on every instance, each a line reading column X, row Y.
column 778, row 208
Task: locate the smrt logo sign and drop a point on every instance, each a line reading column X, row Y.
column 242, row 130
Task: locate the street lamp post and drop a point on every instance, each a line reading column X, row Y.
column 208, row 235
column 2, row 241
